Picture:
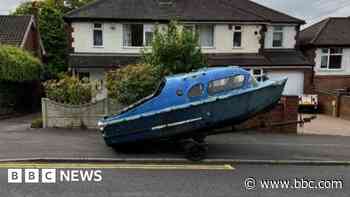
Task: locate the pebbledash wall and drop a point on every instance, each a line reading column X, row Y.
column 56, row 115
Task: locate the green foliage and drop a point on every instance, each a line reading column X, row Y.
column 52, row 28
column 69, row 90
column 54, row 37
column 174, row 50
column 132, row 83
column 17, row 65
column 37, row 123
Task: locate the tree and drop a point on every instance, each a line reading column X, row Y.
column 132, row 83
column 174, row 50
column 52, row 28
column 17, row 65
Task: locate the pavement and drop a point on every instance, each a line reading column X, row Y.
column 326, row 125
column 241, row 180
column 18, row 141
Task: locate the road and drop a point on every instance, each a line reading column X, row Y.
column 67, row 143
column 206, row 182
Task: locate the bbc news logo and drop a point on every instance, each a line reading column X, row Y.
column 52, row 176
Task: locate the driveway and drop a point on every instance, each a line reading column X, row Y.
column 326, row 125
column 18, row 141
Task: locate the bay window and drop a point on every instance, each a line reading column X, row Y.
column 97, row 35
column 137, row 35
column 237, row 36
column 277, row 36
column 331, row 58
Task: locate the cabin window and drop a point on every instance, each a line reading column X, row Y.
column 225, row 84
column 196, row 91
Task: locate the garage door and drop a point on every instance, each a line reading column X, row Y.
column 295, row 83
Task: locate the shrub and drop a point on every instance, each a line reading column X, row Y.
column 17, row 65
column 174, row 50
column 37, row 123
column 69, row 90
column 132, row 83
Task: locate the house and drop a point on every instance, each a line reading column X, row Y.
column 22, row 32
column 327, row 45
column 107, row 34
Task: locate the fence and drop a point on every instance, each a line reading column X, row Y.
column 69, row 116
column 335, row 103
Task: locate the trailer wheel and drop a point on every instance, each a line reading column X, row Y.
column 195, row 151
column 199, row 139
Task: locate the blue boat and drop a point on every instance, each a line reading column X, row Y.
column 190, row 106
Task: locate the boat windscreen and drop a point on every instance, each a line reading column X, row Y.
column 253, row 81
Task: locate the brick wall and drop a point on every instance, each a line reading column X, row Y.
column 344, row 107
column 69, row 30
column 285, row 111
column 32, row 43
column 326, row 83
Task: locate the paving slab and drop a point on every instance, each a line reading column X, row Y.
column 326, row 125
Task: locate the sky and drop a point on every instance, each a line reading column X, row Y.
column 309, row 10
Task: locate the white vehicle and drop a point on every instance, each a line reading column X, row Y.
column 308, row 102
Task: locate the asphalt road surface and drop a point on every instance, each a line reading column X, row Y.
column 207, row 181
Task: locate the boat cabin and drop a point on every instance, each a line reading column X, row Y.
column 193, row 87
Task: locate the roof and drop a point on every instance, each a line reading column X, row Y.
column 277, row 58
column 88, row 60
column 185, row 10
column 13, row 29
column 333, row 31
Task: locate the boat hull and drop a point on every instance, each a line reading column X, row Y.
column 195, row 120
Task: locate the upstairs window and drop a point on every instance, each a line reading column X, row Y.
column 137, row 35
column 277, row 36
column 237, row 37
column 225, row 84
column 331, row 58
column 148, row 34
column 98, row 35
column 206, row 35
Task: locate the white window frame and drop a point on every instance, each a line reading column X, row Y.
column 233, row 36
column 192, row 26
column 277, row 31
column 145, row 28
column 196, row 28
column 262, row 74
column 329, row 55
column 93, row 34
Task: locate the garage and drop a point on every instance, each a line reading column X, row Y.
column 295, row 84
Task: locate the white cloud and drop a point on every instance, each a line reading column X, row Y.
column 6, row 6
column 310, row 10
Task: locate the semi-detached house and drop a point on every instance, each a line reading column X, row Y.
column 107, row 34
